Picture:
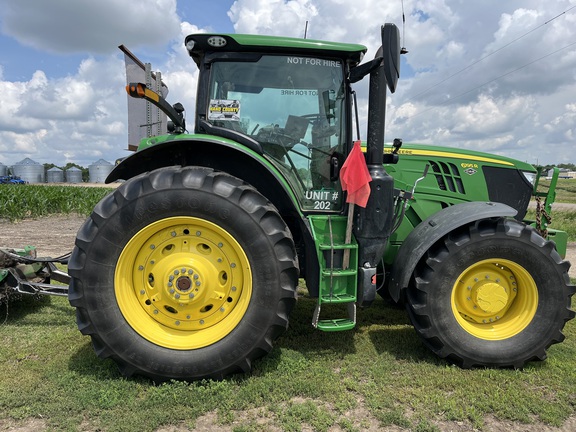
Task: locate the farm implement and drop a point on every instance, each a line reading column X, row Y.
column 23, row 273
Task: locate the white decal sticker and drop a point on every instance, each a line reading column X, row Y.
column 313, row 61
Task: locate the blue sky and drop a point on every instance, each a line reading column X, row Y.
column 20, row 61
column 491, row 75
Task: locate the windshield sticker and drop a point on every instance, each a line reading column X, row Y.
column 299, row 92
column 224, row 109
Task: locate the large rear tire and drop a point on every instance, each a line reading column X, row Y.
column 493, row 294
column 183, row 273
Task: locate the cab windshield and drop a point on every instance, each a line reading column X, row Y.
column 295, row 108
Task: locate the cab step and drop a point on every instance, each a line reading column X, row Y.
column 338, row 262
column 339, row 324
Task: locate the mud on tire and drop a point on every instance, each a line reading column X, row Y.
column 183, row 273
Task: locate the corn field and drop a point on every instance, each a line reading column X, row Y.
column 28, row 201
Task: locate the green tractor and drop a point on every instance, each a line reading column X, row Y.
column 189, row 269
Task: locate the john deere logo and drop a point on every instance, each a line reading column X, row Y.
column 470, row 171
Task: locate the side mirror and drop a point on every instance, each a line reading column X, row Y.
column 391, row 54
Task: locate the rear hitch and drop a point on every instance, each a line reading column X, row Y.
column 22, row 272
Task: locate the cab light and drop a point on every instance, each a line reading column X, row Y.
column 216, row 41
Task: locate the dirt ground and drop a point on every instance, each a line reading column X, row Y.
column 53, row 236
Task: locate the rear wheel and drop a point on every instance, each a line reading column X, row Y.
column 493, row 294
column 183, row 273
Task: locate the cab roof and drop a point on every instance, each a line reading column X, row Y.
column 200, row 44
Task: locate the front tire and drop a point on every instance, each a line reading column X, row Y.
column 183, row 273
column 493, row 294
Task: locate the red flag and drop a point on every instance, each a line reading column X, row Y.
column 355, row 177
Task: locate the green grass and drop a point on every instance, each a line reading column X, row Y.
column 22, row 201
column 378, row 374
column 563, row 220
column 565, row 189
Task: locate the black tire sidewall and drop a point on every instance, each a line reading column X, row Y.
column 532, row 341
column 159, row 202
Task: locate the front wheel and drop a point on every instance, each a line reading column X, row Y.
column 492, row 294
column 183, row 274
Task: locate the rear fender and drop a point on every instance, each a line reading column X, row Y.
column 171, row 150
column 433, row 229
column 216, row 153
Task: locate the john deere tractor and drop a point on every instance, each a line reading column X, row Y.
column 189, row 269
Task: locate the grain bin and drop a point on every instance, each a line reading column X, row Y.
column 74, row 175
column 3, row 169
column 99, row 170
column 29, row 171
column 54, row 175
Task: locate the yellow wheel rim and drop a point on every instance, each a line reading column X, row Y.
column 494, row 299
column 183, row 283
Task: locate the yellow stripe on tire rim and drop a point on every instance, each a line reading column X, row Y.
column 183, row 283
column 494, row 299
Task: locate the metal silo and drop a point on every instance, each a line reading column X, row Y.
column 54, row 175
column 99, row 170
column 3, row 169
column 29, row 171
column 74, row 175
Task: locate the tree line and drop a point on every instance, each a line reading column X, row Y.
column 568, row 166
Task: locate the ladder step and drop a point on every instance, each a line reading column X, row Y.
column 336, row 324
column 339, row 272
column 338, row 246
column 337, row 298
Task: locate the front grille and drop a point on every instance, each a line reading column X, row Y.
column 447, row 176
column 508, row 186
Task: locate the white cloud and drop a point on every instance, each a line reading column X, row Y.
column 80, row 26
column 272, row 17
column 45, row 117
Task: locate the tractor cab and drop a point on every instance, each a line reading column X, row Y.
column 291, row 105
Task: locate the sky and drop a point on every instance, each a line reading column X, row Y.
column 496, row 76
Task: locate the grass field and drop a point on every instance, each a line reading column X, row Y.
column 565, row 189
column 564, row 220
column 376, row 376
